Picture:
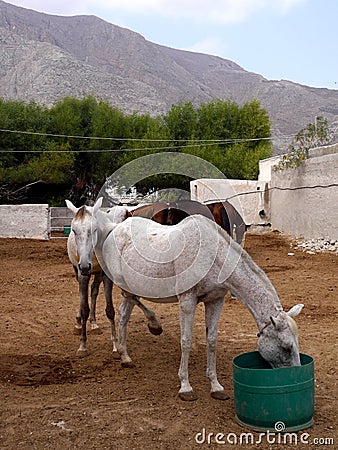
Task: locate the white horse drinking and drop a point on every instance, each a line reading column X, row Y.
column 194, row 261
column 81, row 254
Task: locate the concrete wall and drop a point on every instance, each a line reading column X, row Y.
column 299, row 201
column 301, row 209
column 265, row 167
column 325, row 150
column 24, row 221
column 250, row 198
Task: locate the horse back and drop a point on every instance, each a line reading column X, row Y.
column 158, row 212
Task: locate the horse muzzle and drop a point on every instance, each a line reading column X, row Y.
column 85, row 269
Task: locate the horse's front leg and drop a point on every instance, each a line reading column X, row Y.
column 188, row 304
column 83, row 311
column 125, row 311
column 93, row 296
column 154, row 324
column 213, row 311
column 78, row 325
column 110, row 311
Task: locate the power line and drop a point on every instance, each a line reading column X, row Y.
column 188, row 143
column 221, row 141
column 99, row 151
column 273, row 188
column 110, row 150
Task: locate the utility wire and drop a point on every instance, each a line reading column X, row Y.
column 273, row 188
column 188, row 143
column 132, row 139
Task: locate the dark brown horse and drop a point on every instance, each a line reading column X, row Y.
column 171, row 213
column 229, row 219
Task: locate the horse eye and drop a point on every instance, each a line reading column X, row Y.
column 287, row 349
column 74, row 231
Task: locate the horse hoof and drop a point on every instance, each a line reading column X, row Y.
column 188, row 396
column 77, row 331
column 127, row 364
column 116, row 355
column 220, row 395
column 155, row 330
column 96, row 330
column 81, row 353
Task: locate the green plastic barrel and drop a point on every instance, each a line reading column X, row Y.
column 273, row 399
column 66, row 230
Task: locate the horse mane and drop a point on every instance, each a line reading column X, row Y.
column 253, row 266
column 118, row 214
column 81, row 212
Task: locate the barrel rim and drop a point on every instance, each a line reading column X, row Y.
column 241, row 367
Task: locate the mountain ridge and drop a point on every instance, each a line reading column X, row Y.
column 47, row 57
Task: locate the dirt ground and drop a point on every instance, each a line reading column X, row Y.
column 51, row 399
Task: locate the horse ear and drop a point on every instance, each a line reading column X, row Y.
column 295, row 310
column 127, row 214
column 102, row 218
column 71, row 206
column 97, row 205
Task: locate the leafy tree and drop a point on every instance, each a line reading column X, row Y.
column 22, row 117
column 181, row 123
column 76, row 144
column 218, row 119
column 311, row 136
column 52, row 167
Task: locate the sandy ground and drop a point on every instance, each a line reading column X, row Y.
column 51, row 399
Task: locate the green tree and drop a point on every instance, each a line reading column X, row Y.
column 76, row 144
column 180, row 122
column 241, row 134
column 218, row 119
column 19, row 118
column 311, row 136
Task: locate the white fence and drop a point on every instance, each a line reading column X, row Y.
column 60, row 217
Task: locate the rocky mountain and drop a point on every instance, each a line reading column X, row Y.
column 46, row 57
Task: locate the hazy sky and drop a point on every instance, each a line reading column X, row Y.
column 294, row 40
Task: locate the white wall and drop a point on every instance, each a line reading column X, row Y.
column 265, row 167
column 301, row 209
column 248, row 197
column 24, row 221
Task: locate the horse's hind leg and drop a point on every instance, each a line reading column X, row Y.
column 188, row 304
column 110, row 311
column 125, row 311
column 154, row 324
column 93, row 296
column 213, row 311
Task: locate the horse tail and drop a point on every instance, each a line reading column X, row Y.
column 226, row 223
